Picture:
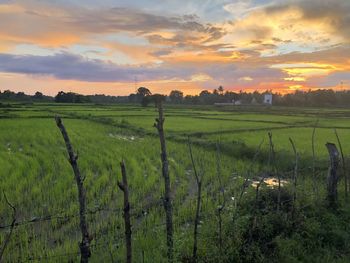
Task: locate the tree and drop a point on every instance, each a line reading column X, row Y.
column 143, row 92
column 146, row 100
column 221, row 90
column 204, row 93
column 38, row 95
column 71, row 97
column 7, row 94
column 205, row 96
column 143, row 96
column 176, row 96
column 132, row 97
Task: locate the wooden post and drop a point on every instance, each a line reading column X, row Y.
column 12, row 226
column 332, row 181
column 315, row 188
column 199, row 198
column 295, row 174
column 73, row 158
column 124, row 187
column 165, row 171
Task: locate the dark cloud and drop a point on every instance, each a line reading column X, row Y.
column 70, row 23
column 74, row 67
column 278, row 40
column 187, row 42
column 334, row 55
column 336, row 13
column 162, row 52
column 133, row 20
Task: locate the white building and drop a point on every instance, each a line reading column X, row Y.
column 268, row 99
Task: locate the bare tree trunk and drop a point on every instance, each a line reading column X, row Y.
column 124, row 187
column 12, row 226
column 86, row 238
column 333, row 177
column 343, row 164
column 199, row 196
column 295, row 174
column 165, row 171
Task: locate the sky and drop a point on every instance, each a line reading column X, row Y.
column 114, row 46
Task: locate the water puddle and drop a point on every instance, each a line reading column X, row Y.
column 270, row 182
column 130, row 138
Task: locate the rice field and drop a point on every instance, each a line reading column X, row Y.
column 38, row 179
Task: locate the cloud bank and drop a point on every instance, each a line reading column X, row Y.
column 244, row 44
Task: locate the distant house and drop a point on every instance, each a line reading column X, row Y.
column 268, row 99
column 224, row 103
column 237, row 102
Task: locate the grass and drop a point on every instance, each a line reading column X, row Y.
column 37, row 178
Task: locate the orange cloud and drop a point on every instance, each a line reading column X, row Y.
column 204, row 57
column 136, row 54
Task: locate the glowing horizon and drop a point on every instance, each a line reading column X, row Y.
column 109, row 47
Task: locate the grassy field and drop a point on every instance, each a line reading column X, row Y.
column 38, row 179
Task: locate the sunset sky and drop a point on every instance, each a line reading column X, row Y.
column 106, row 46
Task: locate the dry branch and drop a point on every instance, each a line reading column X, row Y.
column 13, row 223
column 73, row 158
column 125, row 188
column 165, row 171
column 313, row 160
column 295, row 174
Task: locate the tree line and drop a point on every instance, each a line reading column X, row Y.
column 143, row 96
column 315, row 98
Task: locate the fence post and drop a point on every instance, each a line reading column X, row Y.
column 332, row 180
column 73, row 158
column 165, row 171
column 125, row 188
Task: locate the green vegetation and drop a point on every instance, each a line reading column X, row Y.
column 39, row 181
